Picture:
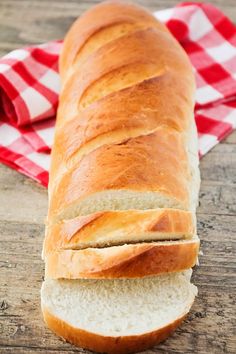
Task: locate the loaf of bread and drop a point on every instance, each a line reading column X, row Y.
column 124, row 179
column 125, row 136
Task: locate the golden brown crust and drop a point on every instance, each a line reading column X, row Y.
column 157, row 162
column 122, row 56
column 117, row 227
column 96, row 110
column 102, row 16
column 120, row 92
column 122, row 63
column 105, row 344
column 127, row 261
column 144, row 106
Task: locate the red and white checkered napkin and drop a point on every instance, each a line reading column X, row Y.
column 29, row 86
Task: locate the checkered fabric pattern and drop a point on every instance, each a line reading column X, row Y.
column 29, row 87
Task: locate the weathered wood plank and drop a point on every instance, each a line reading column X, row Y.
column 21, row 198
column 231, row 139
column 34, row 350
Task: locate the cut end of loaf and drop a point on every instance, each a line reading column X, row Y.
column 116, row 316
column 126, row 261
column 118, row 200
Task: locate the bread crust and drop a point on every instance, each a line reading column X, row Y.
column 97, row 19
column 119, row 227
column 145, row 163
column 161, row 51
column 105, row 344
column 86, row 127
column 143, row 104
column 120, row 57
column 127, row 261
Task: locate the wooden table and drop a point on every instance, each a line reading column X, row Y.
column 23, row 204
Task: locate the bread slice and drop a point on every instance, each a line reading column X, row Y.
column 121, row 244
column 111, row 228
column 126, row 261
column 117, row 316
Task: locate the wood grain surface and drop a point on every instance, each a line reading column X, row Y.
column 211, row 326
